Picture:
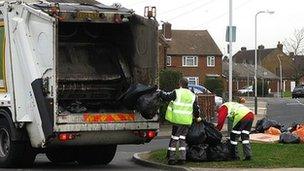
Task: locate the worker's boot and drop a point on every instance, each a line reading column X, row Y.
column 171, row 157
column 247, row 158
column 247, row 151
column 234, row 152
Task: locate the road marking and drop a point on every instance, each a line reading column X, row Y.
column 297, row 102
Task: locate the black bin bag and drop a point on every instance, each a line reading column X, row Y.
column 219, row 152
column 147, row 105
column 135, row 91
column 197, row 153
column 264, row 124
column 213, row 136
column 196, row 134
column 289, row 138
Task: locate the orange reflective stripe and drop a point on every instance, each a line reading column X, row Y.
column 105, row 117
column 109, row 119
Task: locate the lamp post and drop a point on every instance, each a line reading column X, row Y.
column 256, row 60
column 281, row 80
column 230, row 50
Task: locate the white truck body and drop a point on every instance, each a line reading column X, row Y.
column 41, row 76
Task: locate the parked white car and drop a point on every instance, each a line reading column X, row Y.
column 244, row 90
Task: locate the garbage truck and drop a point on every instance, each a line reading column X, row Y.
column 65, row 64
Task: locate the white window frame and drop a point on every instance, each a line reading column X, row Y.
column 187, row 58
column 210, row 61
column 195, row 79
column 168, row 61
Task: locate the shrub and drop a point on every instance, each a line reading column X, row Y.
column 168, row 79
column 215, row 85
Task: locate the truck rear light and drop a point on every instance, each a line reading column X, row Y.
column 66, row 136
column 151, row 134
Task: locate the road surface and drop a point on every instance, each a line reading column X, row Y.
column 122, row 160
column 286, row 111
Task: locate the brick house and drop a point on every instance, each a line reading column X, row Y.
column 192, row 52
column 243, row 75
column 269, row 59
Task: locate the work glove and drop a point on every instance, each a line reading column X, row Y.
column 199, row 119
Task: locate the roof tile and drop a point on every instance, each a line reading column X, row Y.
column 242, row 70
column 192, row 42
column 247, row 56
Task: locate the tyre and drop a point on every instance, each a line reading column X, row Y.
column 14, row 153
column 92, row 155
column 61, row 155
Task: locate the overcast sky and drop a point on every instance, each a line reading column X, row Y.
column 212, row 15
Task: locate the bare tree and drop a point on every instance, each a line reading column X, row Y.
column 295, row 43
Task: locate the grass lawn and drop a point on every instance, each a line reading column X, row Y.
column 264, row 156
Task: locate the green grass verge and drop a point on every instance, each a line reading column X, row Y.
column 264, row 156
column 287, row 94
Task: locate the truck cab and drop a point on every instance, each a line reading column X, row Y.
column 65, row 65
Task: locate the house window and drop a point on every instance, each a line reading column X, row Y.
column 168, row 61
column 190, row 61
column 210, row 61
column 192, row 80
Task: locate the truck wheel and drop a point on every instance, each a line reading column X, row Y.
column 61, row 155
column 92, row 155
column 14, row 153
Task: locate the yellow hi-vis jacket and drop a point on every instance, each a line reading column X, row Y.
column 236, row 111
column 180, row 111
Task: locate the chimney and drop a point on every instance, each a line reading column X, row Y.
column 243, row 48
column 280, row 46
column 166, row 30
column 261, row 47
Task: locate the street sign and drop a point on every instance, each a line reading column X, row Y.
column 233, row 33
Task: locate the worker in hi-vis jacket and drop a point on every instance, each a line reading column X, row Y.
column 242, row 118
column 180, row 112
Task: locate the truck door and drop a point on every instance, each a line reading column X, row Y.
column 32, row 45
column 146, row 51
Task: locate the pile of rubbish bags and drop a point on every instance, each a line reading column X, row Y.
column 292, row 134
column 143, row 99
column 205, row 143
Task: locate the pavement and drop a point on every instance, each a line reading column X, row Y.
column 165, row 132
